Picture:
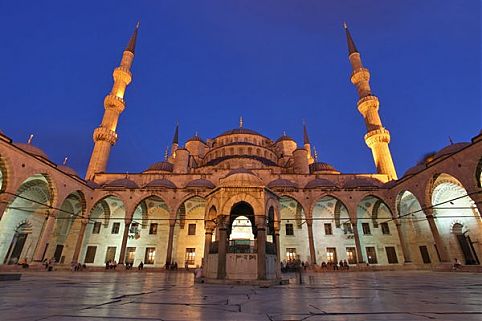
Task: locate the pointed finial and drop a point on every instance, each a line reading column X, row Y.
column 166, row 153
column 131, row 46
column 240, row 121
column 175, row 138
column 306, row 139
column 451, row 141
column 284, row 133
column 315, row 153
column 195, row 133
column 349, row 40
column 65, row 160
column 30, row 139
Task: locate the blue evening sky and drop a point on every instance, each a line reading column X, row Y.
column 205, row 63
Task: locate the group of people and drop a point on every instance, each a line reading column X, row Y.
column 342, row 265
column 111, row 265
column 49, row 264
column 293, row 266
column 171, row 266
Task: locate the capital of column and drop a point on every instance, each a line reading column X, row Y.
column 115, row 103
column 377, row 136
column 104, row 134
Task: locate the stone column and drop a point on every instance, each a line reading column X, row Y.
column 442, row 250
column 122, row 255
column 80, row 240
column 44, row 237
column 170, row 241
column 222, row 246
column 309, row 224
column 278, row 254
column 403, row 243
column 208, row 236
column 261, row 245
column 476, row 196
column 356, row 236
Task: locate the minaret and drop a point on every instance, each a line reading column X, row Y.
column 306, row 142
column 105, row 135
column 377, row 137
column 175, row 142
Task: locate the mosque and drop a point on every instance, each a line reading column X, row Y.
column 241, row 203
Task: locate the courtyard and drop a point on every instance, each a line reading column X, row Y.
column 414, row 295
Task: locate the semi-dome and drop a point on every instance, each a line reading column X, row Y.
column 322, row 167
column 204, row 183
column 414, row 170
column 241, row 177
column 32, row 150
column 123, row 183
column 161, row 166
column 67, row 170
column 450, row 149
column 362, row 182
column 282, row 183
column 320, row 183
column 160, row 183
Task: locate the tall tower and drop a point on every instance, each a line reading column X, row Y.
column 377, row 136
column 105, row 135
column 307, row 145
column 175, row 142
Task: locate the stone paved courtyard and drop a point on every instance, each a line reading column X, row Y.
column 173, row 296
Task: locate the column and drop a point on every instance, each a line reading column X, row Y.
column 261, row 245
column 122, row 255
column 403, row 243
column 356, row 236
column 476, row 196
column 442, row 250
column 222, row 246
column 309, row 224
column 170, row 241
column 278, row 257
column 208, row 236
column 44, row 237
column 80, row 240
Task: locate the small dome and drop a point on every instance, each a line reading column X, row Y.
column 32, row 150
column 161, row 182
column 196, row 138
column 322, row 167
column 320, row 182
column 241, row 177
column 122, row 182
column 282, row 183
column 67, row 170
column 200, row 183
column 414, row 170
column 161, row 166
column 240, row 130
column 362, row 182
column 450, row 149
column 283, row 138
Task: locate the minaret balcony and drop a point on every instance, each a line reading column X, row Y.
column 114, row 102
column 366, row 103
column 359, row 75
column 122, row 74
column 105, row 134
column 373, row 137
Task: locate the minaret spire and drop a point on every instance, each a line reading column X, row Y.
column 240, row 121
column 377, row 136
column 175, row 141
column 306, row 142
column 105, row 135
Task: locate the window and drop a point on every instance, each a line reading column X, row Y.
column 90, row 254
column 425, row 255
column 366, row 228
column 115, row 228
column 96, row 229
column 328, row 230
column 190, row 255
column 291, row 254
column 150, row 255
column 110, row 254
column 153, row 228
column 289, row 229
column 385, row 228
column 347, row 228
column 191, row 229
column 130, row 254
column 331, row 254
column 391, row 255
column 134, row 228
column 371, row 255
column 351, row 255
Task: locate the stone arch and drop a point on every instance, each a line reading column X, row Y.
column 339, row 206
column 141, row 207
column 5, row 173
column 248, row 198
column 478, row 173
column 184, row 207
